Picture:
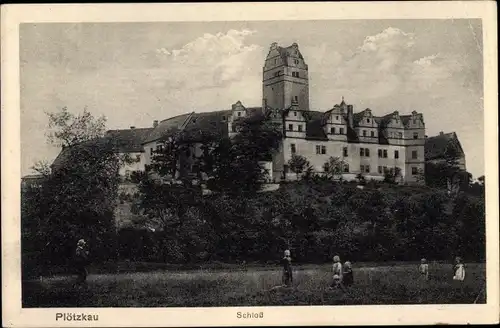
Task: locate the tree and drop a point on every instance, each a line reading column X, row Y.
column 67, row 129
column 298, row 164
column 42, row 167
column 391, row 175
column 77, row 199
column 334, row 167
column 233, row 165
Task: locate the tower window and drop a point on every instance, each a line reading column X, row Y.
column 294, row 113
column 337, row 117
column 341, row 130
column 414, row 154
column 239, row 114
column 332, row 130
column 290, row 127
column 400, row 135
column 277, row 73
column 372, row 133
column 415, row 135
column 364, row 133
column 275, row 61
column 367, row 120
column 300, row 128
column 296, row 62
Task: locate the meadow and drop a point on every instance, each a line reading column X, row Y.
column 256, row 286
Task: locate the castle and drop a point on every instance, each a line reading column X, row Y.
column 367, row 143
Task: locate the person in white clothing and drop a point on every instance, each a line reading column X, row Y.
column 459, row 269
column 337, row 272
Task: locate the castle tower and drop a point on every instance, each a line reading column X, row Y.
column 285, row 80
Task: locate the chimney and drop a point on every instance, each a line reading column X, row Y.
column 350, row 115
column 155, row 123
column 132, row 127
column 441, row 133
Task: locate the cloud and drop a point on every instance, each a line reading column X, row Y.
column 211, row 60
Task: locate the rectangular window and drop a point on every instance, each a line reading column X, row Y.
column 361, row 152
column 380, row 153
column 275, row 61
column 396, row 154
column 294, row 113
column 300, row 128
column 345, row 152
column 296, row 98
column 385, row 168
column 337, row 117
column 380, row 169
column 414, row 170
column 318, row 149
column 290, row 127
column 367, row 152
column 367, row 168
column 239, row 114
column 414, row 154
column 323, row 150
column 364, row 133
column 293, row 149
column 346, row 168
column 362, row 168
column 372, row 133
column 400, row 135
column 233, row 128
column 151, row 151
column 332, row 130
column 341, row 130
column 415, row 135
column 367, row 120
column 385, row 153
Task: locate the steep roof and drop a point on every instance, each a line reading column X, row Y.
column 436, row 146
column 167, row 127
column 286, row 51
column 64, row 156
column 129, row 140
column 314, row 128
column 201, row 124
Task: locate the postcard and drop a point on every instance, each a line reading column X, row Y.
column 249, row 164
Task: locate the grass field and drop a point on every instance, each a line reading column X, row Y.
column 398, row 284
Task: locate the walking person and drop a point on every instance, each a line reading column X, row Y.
column 424, row 269
column 337, row 272
column 81, row 261
column 287, row 269
column 347, row 275
column 459, row 270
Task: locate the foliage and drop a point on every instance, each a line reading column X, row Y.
column 391, row 175
column 334, row 168
column 67, row 129
column 299, row 164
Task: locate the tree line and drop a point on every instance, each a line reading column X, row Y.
column 315, row 217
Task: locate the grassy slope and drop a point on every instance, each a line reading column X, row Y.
column 397, row 284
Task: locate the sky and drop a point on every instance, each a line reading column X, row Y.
column 134, row 73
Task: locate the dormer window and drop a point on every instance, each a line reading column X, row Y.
column 276, row 61
column 367, row 120
column 296, row 62
column 294, row 113
column 337, row 117
column 239, row 114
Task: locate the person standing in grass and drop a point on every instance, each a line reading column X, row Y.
column 287, row 269
column 459, row 270
column 347, row 276
column 81, row 260
column 337, row 271
column 424, row 269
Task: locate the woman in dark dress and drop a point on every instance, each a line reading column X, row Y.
column 347, row 277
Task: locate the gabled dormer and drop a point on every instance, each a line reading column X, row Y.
column 366, row 126
column 392, row 126
column 335, row 122
column 238, row 112
column 414, row 126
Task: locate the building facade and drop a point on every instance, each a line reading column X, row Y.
column 367, row 142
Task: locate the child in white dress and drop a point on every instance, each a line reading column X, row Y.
column 459, row 270
column 424, row 269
